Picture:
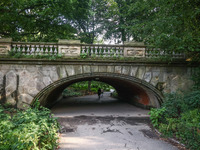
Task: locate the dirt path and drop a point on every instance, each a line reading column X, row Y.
column 90, row 124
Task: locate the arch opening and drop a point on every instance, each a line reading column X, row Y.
column 129, row 89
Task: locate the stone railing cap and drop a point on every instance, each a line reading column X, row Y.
column 5, row 40
column 63, row 41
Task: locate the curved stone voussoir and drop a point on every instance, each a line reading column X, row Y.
column 70, row 70
column 25, row 98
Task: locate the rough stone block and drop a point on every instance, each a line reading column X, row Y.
column 110, row 69
column 62, row 72
column 25, row 98
column 31, row 69
column 54, row 75
column 140, row 73
column 95, row 68
column 147, row 76
column 70, row 70
column 39, row 84
column 125, row 70
column 11, row 78
column 1, row 78
column 78, row 69
column 133, row 71
column 118, row 69
column 47, row 81
column 86, row 69
column 10, row 100
column 102, row 68
column 23, row 106
column 155, row 78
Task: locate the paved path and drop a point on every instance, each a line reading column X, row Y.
column 90, row 124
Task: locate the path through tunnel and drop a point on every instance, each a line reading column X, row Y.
column 129, row 89
column 106, row 123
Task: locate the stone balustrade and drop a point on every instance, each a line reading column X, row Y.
column 103, row 50
column 73, row 48
column 35, row 48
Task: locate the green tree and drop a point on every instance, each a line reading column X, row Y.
column 167, row 24
column 37, row 20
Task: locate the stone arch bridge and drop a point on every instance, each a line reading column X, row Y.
column 22, row 81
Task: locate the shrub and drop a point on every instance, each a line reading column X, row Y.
column 157, row 116
column 174, row 105
column 180, row 116
column 192, row 99
column 32, row 129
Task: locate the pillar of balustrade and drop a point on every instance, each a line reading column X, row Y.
column 69, row 48
column 5, row 46
column 134, row 49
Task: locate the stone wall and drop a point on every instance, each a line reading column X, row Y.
column 21, row 81
column 5, row 46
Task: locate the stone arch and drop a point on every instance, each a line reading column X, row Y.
column 129, row 88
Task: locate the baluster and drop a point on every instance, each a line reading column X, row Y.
column 84, row 50
column 23, row 49
column 55, row 50
column 117, row 51
column 99, row 51
column 14, row 48
column 32, row 50
column 18, row 50
column 28, row 50
column 121, row 51
column 113, row 51
column 46, row 49
column 81, row 50
column 91, row 50
column 87, row 50
column 51, row 51
column 96, row 51
column 42, row 49
column 109, row 51
column 104, row 51
column 37, row 50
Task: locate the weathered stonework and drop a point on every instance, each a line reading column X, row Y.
column 22, row 82
column 125, row 70
column 5, row 46
column 134, row 49
column 69, row 48
column 102, row 68
column 134, row 52
column 118, row 69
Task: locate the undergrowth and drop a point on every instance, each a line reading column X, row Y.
column 31, row 129
column 179, row 117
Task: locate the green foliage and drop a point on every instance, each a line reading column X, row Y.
column 69, row 92
column 174, row 104
column 34, row 128
column 13, row 54
column 83, row 55
column 94, row 86
column 39, row 20
column 157, row 115
column 82, row 88
column 192, row 99
column 180, row 116
column 170, row 25
column 196, row 78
